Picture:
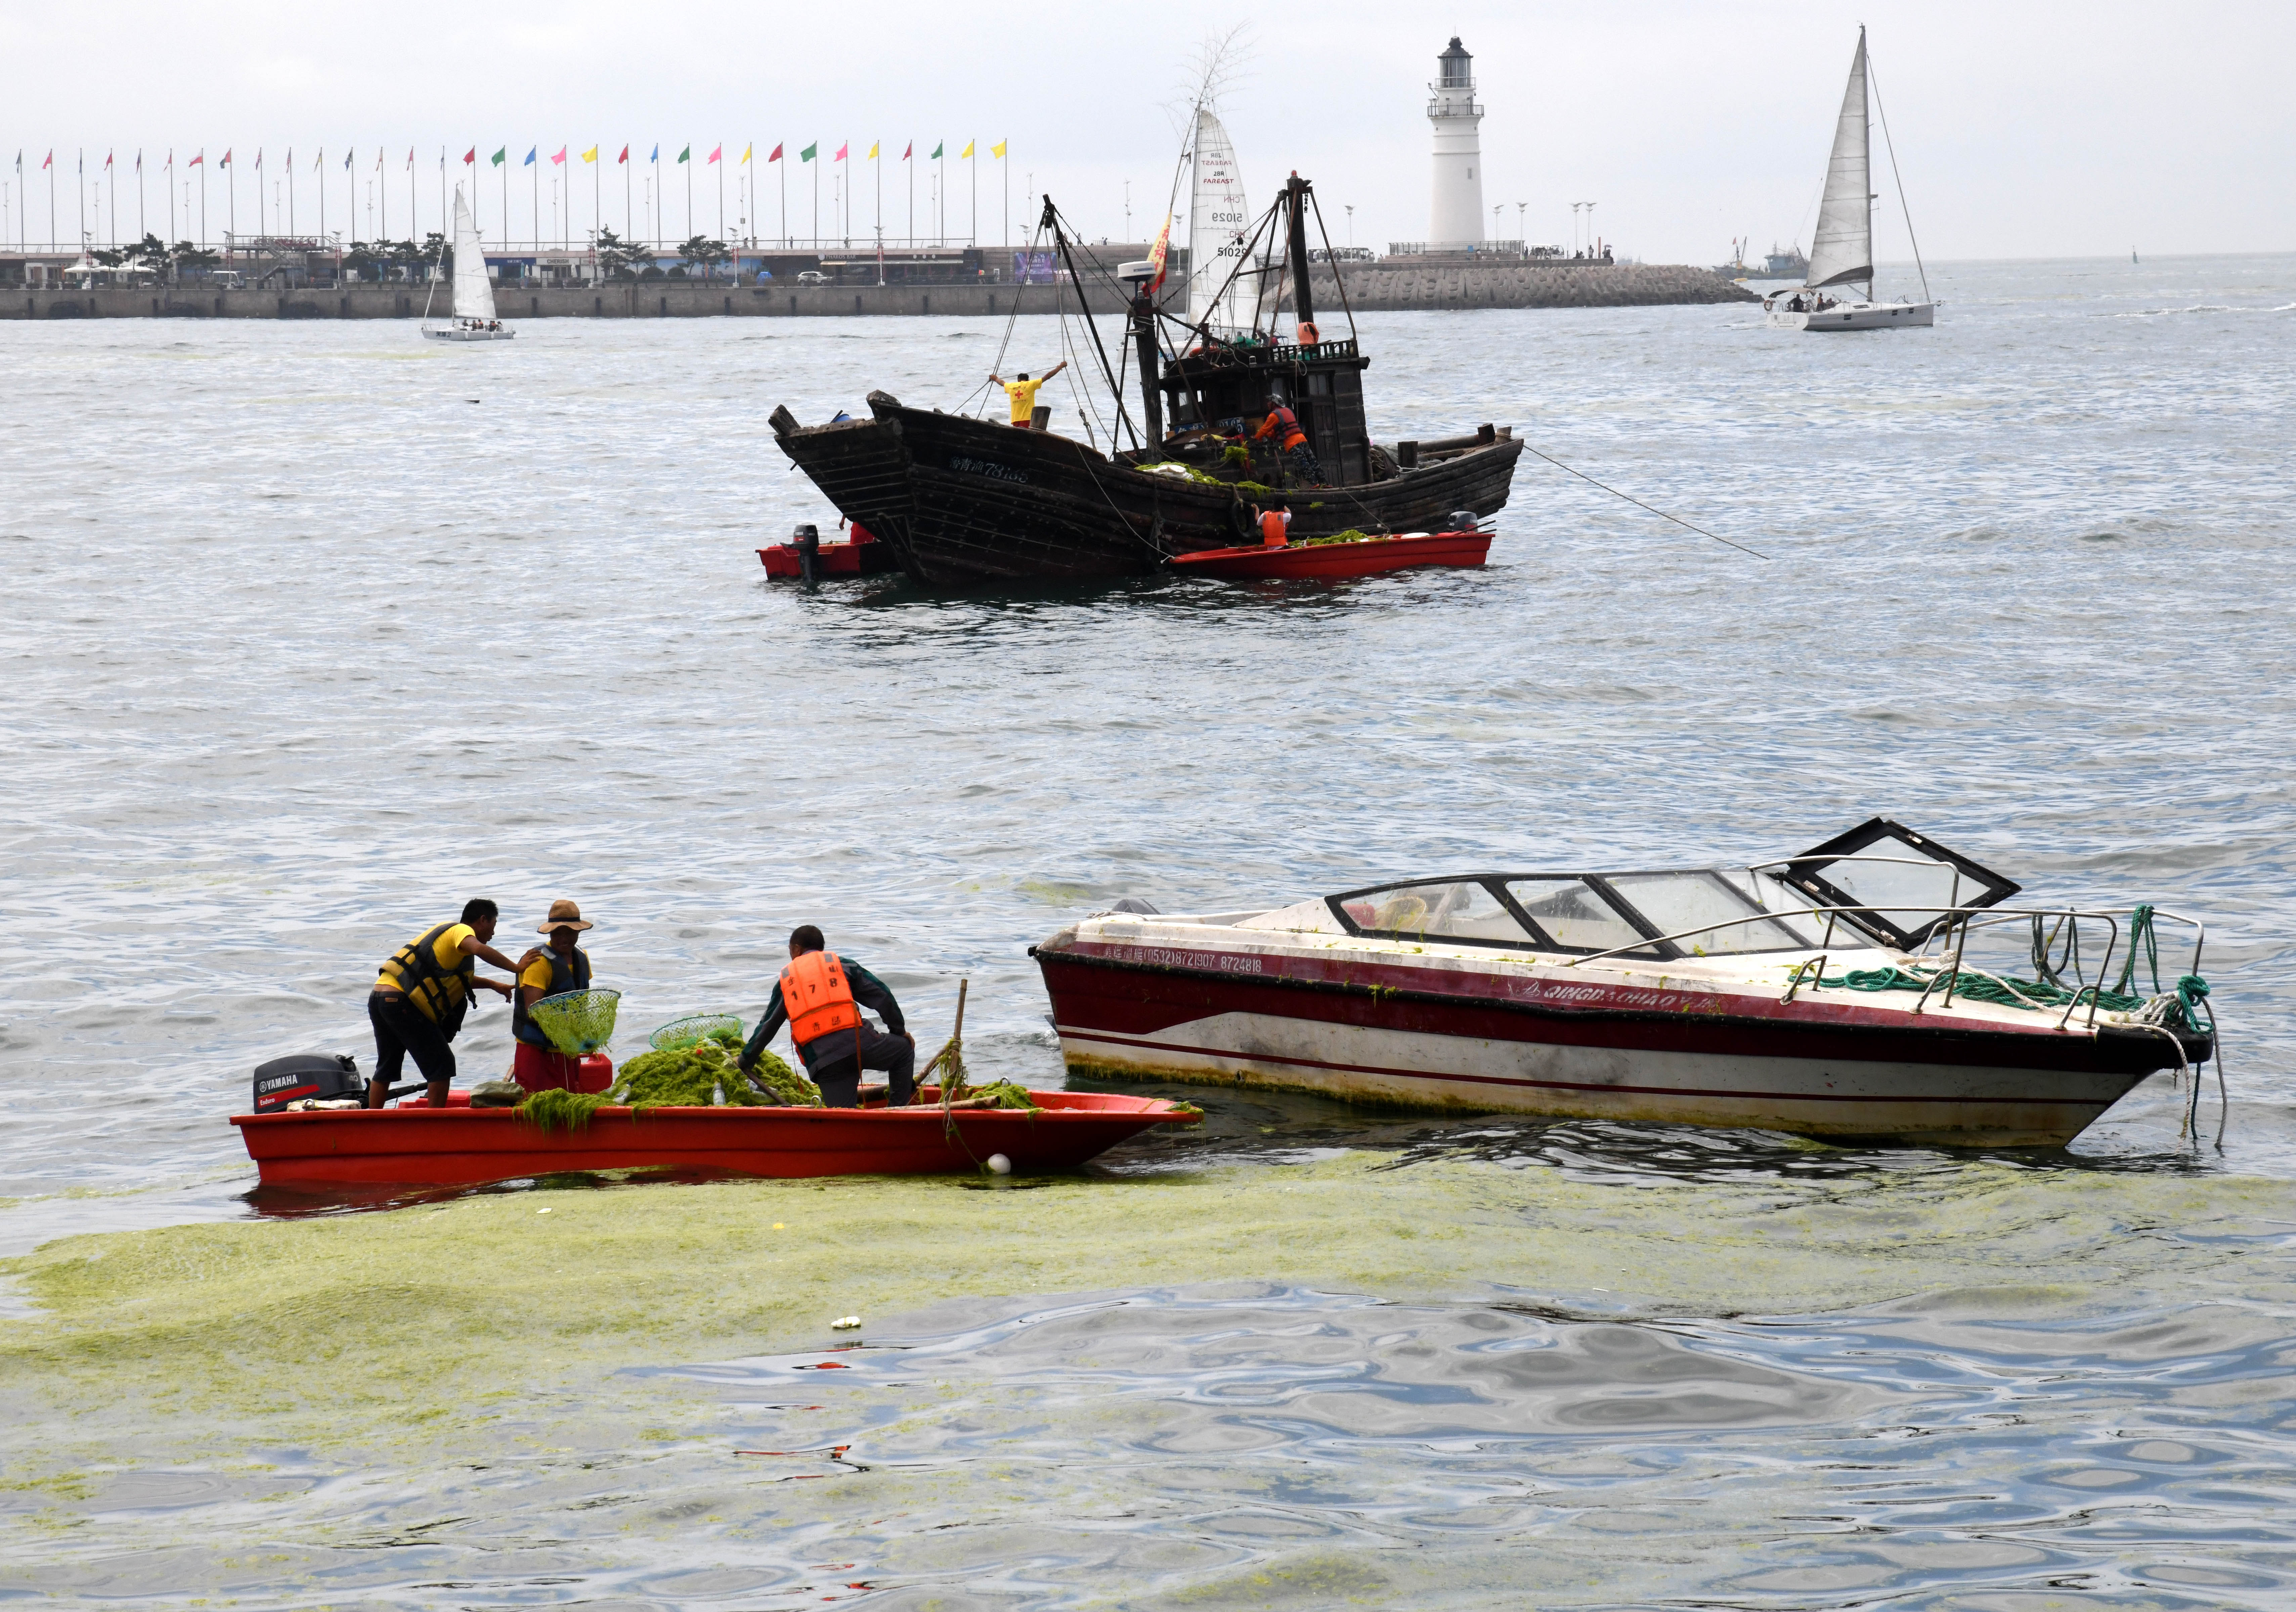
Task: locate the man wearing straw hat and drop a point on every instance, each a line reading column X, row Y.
column 547, row 971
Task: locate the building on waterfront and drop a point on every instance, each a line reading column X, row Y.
column 1455, row 216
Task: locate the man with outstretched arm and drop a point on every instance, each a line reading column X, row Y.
column 1022, row 393
column 420, row 994
column 820, row 997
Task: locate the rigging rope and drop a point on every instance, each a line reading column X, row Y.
column 1639, row 504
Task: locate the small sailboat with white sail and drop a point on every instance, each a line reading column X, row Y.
column 1843, row 251
column 474, row 318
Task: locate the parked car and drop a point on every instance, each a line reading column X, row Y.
column 812, row 277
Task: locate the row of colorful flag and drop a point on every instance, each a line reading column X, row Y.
column 502, row 155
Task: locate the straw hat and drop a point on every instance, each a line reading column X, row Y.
column 564, row 915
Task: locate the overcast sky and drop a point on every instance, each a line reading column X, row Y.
column 2023, row 129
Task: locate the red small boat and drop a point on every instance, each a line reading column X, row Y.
column 1361, row 557
column 459, row 1145
column 861, row 556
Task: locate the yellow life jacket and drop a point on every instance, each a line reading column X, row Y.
column 440, row 995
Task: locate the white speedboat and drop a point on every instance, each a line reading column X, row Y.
column 1843, row 251
column 1847, row 992
column 474, row 318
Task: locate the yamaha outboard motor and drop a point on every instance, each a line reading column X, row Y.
column 285, row 1080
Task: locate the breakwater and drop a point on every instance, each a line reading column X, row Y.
column 1371, row 287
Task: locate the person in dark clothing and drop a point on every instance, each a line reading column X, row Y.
column 820, row 996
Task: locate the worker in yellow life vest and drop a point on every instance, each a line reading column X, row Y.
column 1282, row 427
column 420, row 994
column 1022, row 393
column 820, row 997
column 1275, row 523
column 548, row 970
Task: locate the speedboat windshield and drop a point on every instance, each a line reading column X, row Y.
column 1632, row 914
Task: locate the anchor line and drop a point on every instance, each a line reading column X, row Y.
column 1639, row 504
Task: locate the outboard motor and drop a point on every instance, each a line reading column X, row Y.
column 314, row 1074
column 1463, row 520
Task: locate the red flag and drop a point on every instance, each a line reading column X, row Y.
column 227, row 158
column 1157, row 253
column 107, row 160
column 626, row 154
column 472, row 157
column 910, row 151
column 194, row 162
column 776, row 156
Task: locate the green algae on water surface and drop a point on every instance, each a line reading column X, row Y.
column 336, row 1332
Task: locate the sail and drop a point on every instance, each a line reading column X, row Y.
column 1219, row 222
column 474, row 294
column 1844, row 247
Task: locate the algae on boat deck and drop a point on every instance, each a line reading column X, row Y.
column 484, row 1322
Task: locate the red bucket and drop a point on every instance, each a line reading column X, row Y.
column 545, row 1069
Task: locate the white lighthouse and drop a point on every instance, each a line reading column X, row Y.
column 1455, row 220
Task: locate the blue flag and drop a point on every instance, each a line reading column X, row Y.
column 347, row 158
column 657, row 153
column 529, row 156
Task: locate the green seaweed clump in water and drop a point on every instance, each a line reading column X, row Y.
column 706, row 1074
column 558, row 1109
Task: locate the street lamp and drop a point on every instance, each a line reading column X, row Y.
column 1352, row 224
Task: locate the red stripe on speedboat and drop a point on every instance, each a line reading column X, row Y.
column 1119, row 995
column 1605, row 1089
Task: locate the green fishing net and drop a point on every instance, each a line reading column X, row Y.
column 578, row 1022
column 694, row 1026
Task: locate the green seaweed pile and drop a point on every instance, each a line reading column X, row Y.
column 558, row 1109
column 706, row 1073
column 1352, row 534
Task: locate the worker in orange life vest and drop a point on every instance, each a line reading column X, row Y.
column 820, row 996
column 1283, row 427
column 1275, row 523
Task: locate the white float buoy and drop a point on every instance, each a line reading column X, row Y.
column 998, row 1165
column 845, row 1323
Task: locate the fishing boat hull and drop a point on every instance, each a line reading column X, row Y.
column 462, row 1146
column 1326, row 561
column 1857, row 316
column 1549, row 1043
column 961, row 500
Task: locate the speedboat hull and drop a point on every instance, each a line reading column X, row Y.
column 1431, row 1032
column 1857, row 316
column 462, row 1146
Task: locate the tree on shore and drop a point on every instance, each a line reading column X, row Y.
column 620, row 259
column 701, row 253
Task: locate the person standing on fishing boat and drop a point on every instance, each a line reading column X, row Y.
column 420, row 997
column 549, row 970
column 1023, row 393
column 1283, row 426
column 820, row 996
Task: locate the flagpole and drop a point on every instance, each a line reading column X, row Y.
column 630, row 220
column 203, row 199
column 720, row 165
column 974, row 238
column 909, row 158
column 140, row 230
column 1007, row 225
column 786, row 242
column 686, row 162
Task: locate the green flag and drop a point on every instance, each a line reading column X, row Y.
column 936, row 150
column 500, row 155
column 807, row 154
column 683, row 155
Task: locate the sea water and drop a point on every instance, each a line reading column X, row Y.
column 313, row 630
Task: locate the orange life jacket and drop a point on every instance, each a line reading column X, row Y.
column 817, row 997
column 1271, row 529
column 1309, row 336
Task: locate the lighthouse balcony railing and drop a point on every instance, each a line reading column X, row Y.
column 1451, row 103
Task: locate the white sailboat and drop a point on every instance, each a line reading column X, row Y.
column 474, row 294
column 1220, row 301
column 1843, row 250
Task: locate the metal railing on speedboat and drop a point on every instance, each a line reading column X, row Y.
column 1958, row 924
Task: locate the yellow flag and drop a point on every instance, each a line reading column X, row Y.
column 591, row 155
column 997, row 150
column 967, row 151
column 873, row 150
column 745, row 152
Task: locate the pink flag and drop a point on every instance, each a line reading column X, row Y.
column 718, row 153
column 840, row 154
column 107, row 160
column 561, row 157
column 227, row 158
column 50, row 158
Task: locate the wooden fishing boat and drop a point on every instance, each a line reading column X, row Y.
column 1836, row 993
column 963, row 499
column 459, row 1145
column 1361, row 557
